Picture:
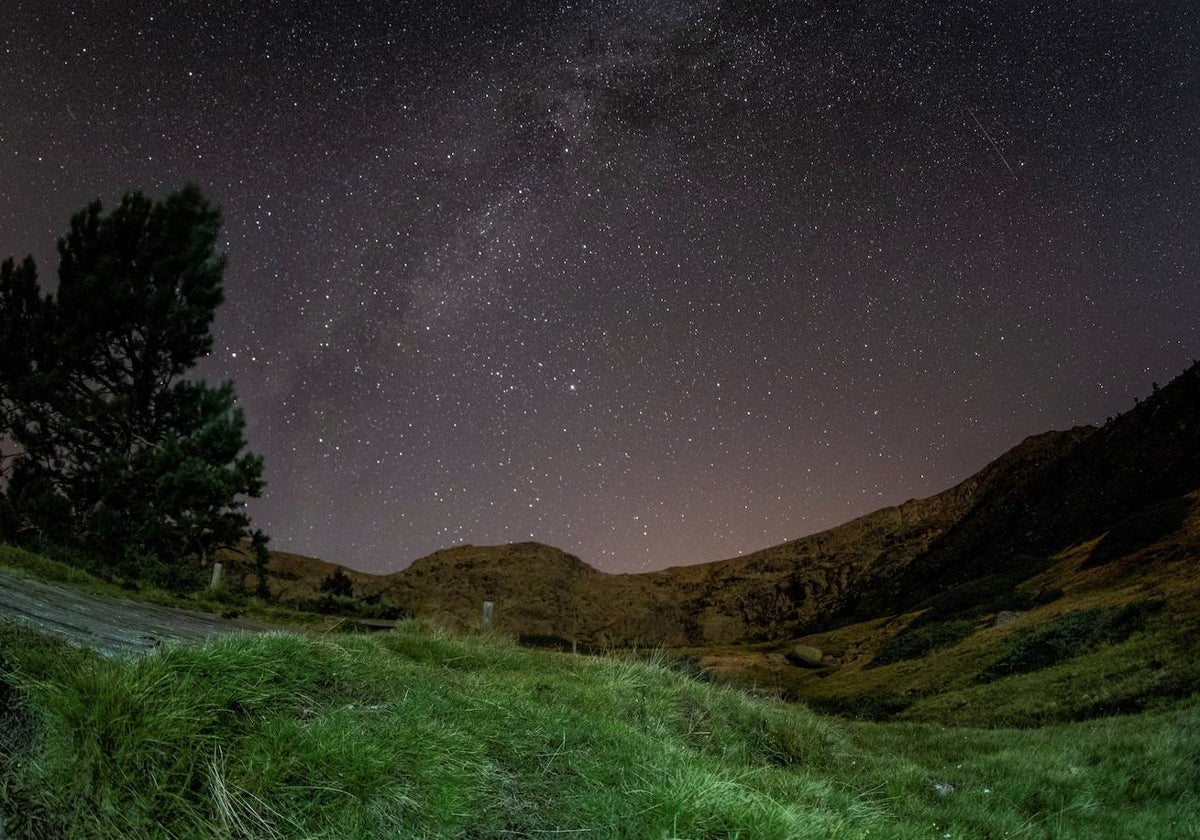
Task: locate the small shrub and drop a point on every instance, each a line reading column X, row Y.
column 1072, row 634
column 916, row 641
column 1068, row 637
column 327, row 603
column 1130, row 618
column 338, row 584
column 544, row 641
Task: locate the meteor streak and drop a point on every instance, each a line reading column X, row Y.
column 1003, row 159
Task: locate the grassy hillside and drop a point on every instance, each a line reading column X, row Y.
column 1081, row 634
column 419, row 734
column 16, row 561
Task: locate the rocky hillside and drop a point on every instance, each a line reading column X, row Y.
column 808, row 583
column 1126, row 482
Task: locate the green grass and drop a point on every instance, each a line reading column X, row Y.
column 914, row 643
column 1145, row 672
column 1125, row 647
column 1070, row 635
column 18, row 562
column 29, row 564
column 419, row 734
column 1129, row 777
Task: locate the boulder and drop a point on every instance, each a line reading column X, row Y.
column 1004, row 617
column 804, row 656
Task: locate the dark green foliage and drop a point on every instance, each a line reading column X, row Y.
column 1071, row 635
column 950, row 616
column 382, row 609
column 1128, row 619
column 113, row 451
column 546, row 641
column 335, row 596
column 882, row 706
column 338, row 584
column 339, row 599
column 1068, row 637
column 258, row 545
column 328, row 604
column 915, row 642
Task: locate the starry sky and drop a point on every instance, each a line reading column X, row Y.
column 654, row 282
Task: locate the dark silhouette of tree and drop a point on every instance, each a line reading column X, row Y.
column 262, row 557
column 112, row 449
column 338, row 584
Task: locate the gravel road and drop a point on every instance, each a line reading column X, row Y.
column 112, row 626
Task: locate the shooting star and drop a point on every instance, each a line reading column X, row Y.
column 1003, row 159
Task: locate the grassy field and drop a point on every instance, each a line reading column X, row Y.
column 416, row 733
column 20, row 562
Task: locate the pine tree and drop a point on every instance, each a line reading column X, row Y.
column 113, row 450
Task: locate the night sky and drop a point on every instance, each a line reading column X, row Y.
column 653, row 282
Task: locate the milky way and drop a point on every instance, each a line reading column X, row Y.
column 657, row 283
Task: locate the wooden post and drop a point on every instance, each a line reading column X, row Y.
column 216, row 576
column 575, row 629
column 487, row 613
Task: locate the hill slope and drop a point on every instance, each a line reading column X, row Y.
column 1127, row 481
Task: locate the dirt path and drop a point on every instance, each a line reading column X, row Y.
column 112, row 626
